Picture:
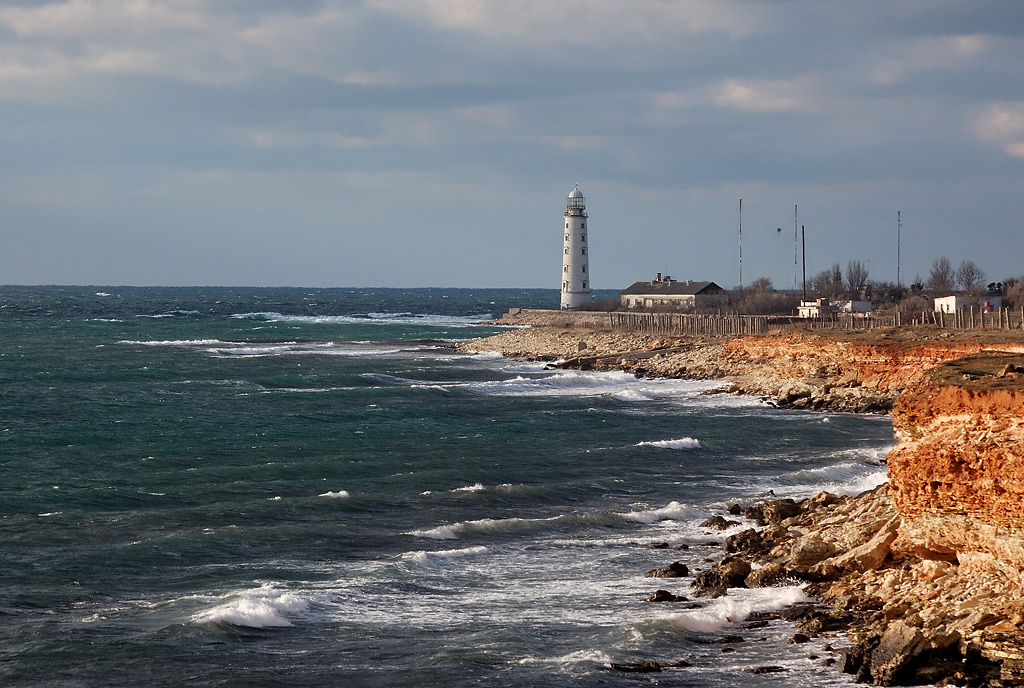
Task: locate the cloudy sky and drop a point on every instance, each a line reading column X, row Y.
column 433, row 142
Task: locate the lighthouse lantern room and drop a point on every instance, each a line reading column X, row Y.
column 575, row 261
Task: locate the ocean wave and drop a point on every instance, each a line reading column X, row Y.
column 674, row 511
column 404, row 318
column 736, row 607
column 340, row 494
column 615, row 384
column 424, row 557
column 263, row 607
column 685, row 443
column 172, row 342
column 500, row 526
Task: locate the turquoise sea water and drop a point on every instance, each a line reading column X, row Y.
column 214, row 486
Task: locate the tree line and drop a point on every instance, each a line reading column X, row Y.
column 855, row 284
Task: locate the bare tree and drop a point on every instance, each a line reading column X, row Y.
column 856, row 278
column 970, row 276
column 829, row 283
column 761, row 284
column 941, row 279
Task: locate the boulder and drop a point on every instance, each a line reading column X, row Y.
column 896, row 650
column 808, row 551
column 674, row 570
column 718, row 523
column 748, row 541
column 870, row 555
column 768, row 576
column 731, row 572
column 665, row 596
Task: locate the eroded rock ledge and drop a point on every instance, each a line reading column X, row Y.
column 862, row 373
column 925, row 573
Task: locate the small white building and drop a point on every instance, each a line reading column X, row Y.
column 575, row 261
column 956, row 302
column 855, row 306
column 819, row 308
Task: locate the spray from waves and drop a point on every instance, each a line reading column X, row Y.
column 340, row 494
column 674, row 511
column 685, row 443
column 503, row 526
column 425, row 558
column 615, row 384
column 405, row 318
column 735, row 608
column 263, row 607
column 173, row 342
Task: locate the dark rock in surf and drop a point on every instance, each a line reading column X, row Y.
column 718, row 523
column 674, row 570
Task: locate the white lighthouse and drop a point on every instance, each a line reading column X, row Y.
column 575, row 262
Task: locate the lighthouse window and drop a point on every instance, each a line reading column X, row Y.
column 584, row 250
column 565, row 268
column 584, row 268
column 583, row 226
column 567, row 237
column 567, row 250
column 567, row 225
column 583, row 237
column 584, row 284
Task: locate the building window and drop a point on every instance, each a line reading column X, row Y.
column 567, row 237
column 565, row 285
column 583, row 237
column 565, row 268
column 584, row 250
column 583, row 226
column 566, row 250
column 584, row 269
column 567, row 224
column 584, row 284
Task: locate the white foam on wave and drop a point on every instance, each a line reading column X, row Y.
column 404, row 318
column 573, row 659
column 478, row 487
column 736, row 607
column 340, row 494
column 424, row 557
column 684, row 443
column 173, row 342
column 673, row 511
column 263, row 607
column 615, row 384
column 494, row 526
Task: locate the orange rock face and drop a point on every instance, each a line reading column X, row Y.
column 961, row 451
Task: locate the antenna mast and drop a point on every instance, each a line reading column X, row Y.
column 899, row 228
column 741, row 244
column 795, row 247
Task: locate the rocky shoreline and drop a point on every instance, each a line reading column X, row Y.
column 923, row 574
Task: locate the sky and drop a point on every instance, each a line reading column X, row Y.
column 433, row 142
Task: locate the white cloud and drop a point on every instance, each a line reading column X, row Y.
column 1000, row 121
column 596, row 23
column 762, row 96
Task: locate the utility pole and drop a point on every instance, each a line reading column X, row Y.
column 803, row 240
column 795, row 247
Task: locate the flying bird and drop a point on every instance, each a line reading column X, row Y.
column 778, row 230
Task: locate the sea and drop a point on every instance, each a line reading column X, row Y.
column 310, row 487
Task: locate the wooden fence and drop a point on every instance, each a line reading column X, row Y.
column 973, row 319
column 691, row 325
